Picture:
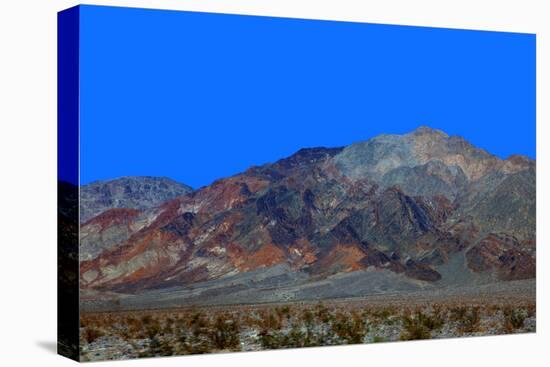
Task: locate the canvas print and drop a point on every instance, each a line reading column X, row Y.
column 241, row 183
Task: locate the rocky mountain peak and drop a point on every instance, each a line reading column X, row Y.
column 426, row 130
column 384, row 154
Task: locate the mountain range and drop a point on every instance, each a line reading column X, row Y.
column 394, row 213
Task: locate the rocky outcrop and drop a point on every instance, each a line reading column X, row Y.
column 127, row 192
column 504, row 255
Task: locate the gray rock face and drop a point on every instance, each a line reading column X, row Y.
column 505, row 203
column 432, row 178
column 380, row 155
column 135, row 192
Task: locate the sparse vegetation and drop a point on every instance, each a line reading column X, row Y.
column 468, row 318
column 188, row 331
column 350, row 328
column 419, row 326
column 513, row 318
column 225, row 333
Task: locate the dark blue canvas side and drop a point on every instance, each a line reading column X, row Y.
column 67, row 165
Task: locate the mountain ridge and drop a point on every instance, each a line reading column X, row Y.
column 406, row 204
column 135, row 192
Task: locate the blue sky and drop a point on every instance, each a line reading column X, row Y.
column 197, row 96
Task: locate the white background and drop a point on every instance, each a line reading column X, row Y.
column 28, row 181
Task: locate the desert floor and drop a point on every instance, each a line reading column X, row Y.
column 382, row 318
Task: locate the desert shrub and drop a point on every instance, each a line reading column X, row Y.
column 104, row 321
column 271, row 339
column 323, row 337
column 146, row 319
column 136, row 328
column 491, row 310
column 308, row 318
column 382, row 314
column 198, row 323
column 166, row 349
column 378, row 316
column 180, row 322
column 167, row 329
column 296, row 338
column 269, row 321
column 458, row 313
column 468, row 319
column 420, row 325
column 473, row 320
column 414, row 329
column 199, row 339
column 513, row 318
column 158, row 348
column 130, row 320
column 153, row 329
column 168, row 325
column 310, row 338
column 435, row 321
column 248, row 320
column 225, row 333
column 181, row 337
column 283, row 312
column 92, row 333
column 322, row 313
column 439, row 314
column 350, row 329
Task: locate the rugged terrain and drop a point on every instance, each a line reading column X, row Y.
column 396, row 213
column 127, row 192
